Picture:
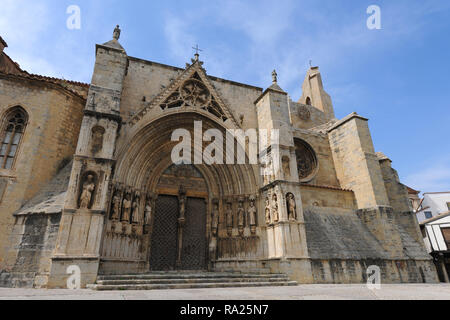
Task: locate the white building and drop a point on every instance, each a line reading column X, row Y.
column 433, row 205
column 436, row 232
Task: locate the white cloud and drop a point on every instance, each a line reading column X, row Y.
column 435, row 178
column 179, row 39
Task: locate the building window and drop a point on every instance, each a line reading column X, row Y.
column 448, row 206
column 308, row 101
column 13, row 128
column 428, row 215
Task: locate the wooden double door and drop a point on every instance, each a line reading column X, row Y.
column 176, row 246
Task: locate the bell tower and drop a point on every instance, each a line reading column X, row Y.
column 315, row 95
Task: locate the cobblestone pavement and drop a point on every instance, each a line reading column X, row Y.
column 302, row 292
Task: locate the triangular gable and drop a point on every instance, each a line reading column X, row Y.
column 191, row 89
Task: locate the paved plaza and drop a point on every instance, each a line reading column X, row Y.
column 302, row 292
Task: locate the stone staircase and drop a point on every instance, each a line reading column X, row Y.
column 189, row 280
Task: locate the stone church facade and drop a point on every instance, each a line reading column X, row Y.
column 87, row 179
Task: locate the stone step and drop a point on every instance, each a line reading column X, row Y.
column 190, row 285
column 178, row 275
column 189, row 281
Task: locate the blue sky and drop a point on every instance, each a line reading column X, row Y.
column 396, row 76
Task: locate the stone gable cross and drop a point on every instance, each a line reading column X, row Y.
column 197, row 49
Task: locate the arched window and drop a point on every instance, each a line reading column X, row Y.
column 308, row 101
column 13, row 128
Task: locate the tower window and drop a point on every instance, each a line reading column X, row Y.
column 14, row 125
column 308, row 101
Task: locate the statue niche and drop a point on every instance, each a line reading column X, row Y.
column 275, row 217
column 267, row 213
column 126, row 207
column 286, row 167
column 115, row 204
column 135, row 212
column 87, row 193
column 97, row 139
column 215, row 217
column 241, row 216
column 291, row 206
column 148, row 209
column 252, row 214
column 229, row 218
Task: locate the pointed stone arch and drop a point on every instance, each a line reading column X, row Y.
column 192, row 90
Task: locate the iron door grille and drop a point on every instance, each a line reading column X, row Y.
column 163, row 252
column 193, row 254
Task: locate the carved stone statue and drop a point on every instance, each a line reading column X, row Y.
column 229, row 218
column 291, row 206
column 116, row 33
column 126, row 208
column 135, row 215
column 87, row 192
column 286, row 168
column 241, row 216
column 115, row 207
column 215, row 218
column 268, row 215
column 275, row 214
column 148, row 211
column 252, row 212
column 97, row 139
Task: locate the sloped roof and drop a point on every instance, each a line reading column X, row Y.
column 3, row 42
column 50, row 199
column 442, row 215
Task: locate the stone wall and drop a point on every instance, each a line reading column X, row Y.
column 35, row 237
column 341, row 248
column 54, row 119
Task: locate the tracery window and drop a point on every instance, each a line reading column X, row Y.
column 13, row 128
column 306, row 159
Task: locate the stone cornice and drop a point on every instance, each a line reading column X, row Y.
column 41, row 80
column 267, row 91
column 345, row 120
